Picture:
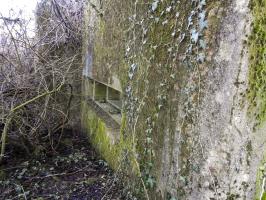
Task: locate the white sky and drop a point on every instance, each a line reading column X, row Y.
column 27, row 7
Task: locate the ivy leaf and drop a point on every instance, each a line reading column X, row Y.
column 173, row 34
column 182, row 37
column 189, row 49
column 165, row 22
column 162, row 84
column 194, row 35
column 196, row 168
column 201, row 57
column 128, row 89
column 202, row 3
column 145, row 31
column 149, row 131
column 202, row 15
column 150, row 164
column 130, row 75
column 157, row 19
column 133, row 67
column 182, row 178
column 149, row 140
column 151, row 182
column 202, row 44
column 173, row 198
column 170, row 49
column 203, row 24
column 154, row 47
column 168, row 9
column 154, row 5
column 189, row 21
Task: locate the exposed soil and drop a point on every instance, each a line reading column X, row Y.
column 74, row 172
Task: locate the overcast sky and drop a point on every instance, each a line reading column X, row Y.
column 26, row 5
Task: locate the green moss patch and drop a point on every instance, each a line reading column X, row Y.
column 259, row 181
column 257, row 73
column 97, row 131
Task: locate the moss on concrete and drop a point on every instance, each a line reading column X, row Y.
column 96, row 130
column 112, row 150
column 257, row 73
column 260, row 176
column 257, row 77
column 151, row 49
column 109, row 44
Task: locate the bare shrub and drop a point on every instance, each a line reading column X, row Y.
column 39, row 75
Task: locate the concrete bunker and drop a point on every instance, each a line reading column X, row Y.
column 106, row 101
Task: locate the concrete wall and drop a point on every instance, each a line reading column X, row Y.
column 192, row 74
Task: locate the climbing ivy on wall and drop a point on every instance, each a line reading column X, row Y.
column 165, row 46
column 159, row 50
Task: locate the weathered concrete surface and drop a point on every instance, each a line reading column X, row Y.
column 186, row 131
column 231, row 153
